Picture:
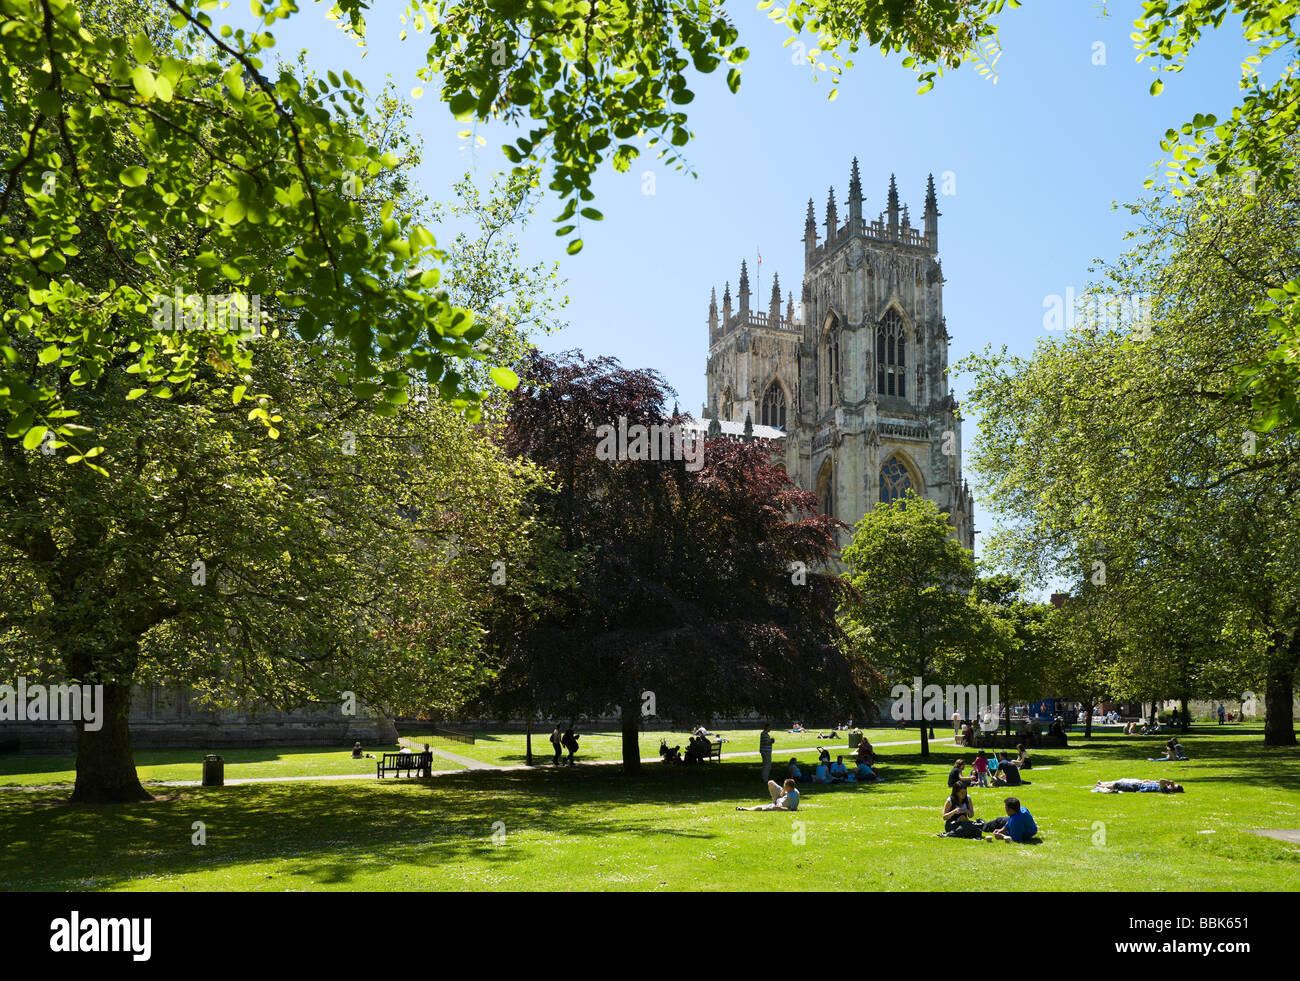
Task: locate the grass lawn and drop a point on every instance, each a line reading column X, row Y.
column 677, row 829
column 154, row 765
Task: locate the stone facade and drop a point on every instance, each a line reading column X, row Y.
column 168, row 718
column 857, row 381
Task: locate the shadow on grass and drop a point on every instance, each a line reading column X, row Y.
column 331, row 832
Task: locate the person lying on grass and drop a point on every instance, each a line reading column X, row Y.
column 1018, row 824
column 784, row 798
column 1129, row 785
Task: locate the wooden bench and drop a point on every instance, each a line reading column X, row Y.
column 420, row 763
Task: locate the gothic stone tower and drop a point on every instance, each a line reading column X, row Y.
column 858, row 383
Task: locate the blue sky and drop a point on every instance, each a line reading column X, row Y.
column 1036, row 161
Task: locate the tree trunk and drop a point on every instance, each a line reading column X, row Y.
column 1185, row 719
column 528, row 740
column 1087, row 722
column 105, row 761
column 632, row 737
column 1279, row 724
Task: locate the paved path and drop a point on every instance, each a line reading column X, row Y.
column 469, row 764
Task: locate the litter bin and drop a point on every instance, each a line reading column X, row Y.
column 214, row 771
column 854, row 739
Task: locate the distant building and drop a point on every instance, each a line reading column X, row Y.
column 855, row 387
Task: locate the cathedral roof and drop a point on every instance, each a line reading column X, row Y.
column 736, row 429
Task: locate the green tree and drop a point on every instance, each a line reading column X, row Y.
column 913, row 579
column 1123, row 445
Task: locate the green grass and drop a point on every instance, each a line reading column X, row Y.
column 155, row 765
column 677, row 829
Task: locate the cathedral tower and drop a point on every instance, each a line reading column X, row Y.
column 858, row 382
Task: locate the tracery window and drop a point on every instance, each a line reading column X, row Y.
column 891, row 356
column 895, row 481
column 773, row 413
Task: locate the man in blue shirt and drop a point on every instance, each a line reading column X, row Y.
column 1017, row 826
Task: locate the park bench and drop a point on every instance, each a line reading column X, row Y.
column 420, row 763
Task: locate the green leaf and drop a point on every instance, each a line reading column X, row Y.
column 505, row 378
column 133, row 176
column 34, row 437
column 49, row 354
column 143, row 80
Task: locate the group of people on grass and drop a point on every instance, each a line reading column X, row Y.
column 959, row 820
column 1000, row 770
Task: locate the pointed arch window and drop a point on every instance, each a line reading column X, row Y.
column 826, row 489
column 895, row 481
column 773, row 413
column 891, row 356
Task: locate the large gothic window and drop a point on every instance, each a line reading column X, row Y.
column 894, row 480
column 891, row 356
column 829, row 369
column 774, row 406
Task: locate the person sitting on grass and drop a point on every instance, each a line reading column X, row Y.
column 864, row 774
column 1173, row 752
column 1018, row 824
column 981, row 768
column 1129, row 785
column 793, row 772
column 839, row 772
column 955, row 773
column 959, row 814
column 797, row 727
column 823, row 755
column 1022, row 757
column 865, row 753
column 358, row 753
column 823, row 773
column 1008, row 774
column 784, row 798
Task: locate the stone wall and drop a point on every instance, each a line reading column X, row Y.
column 166, row 718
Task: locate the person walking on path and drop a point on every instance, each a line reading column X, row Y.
column 765, row 741
column 556, row 738
column 956, row 723
column 570, row 742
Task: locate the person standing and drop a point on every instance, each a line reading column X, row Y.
column 570, row 742
column 956, row 723
column 1221, row 713
column 556, row 741
column 765, row 741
